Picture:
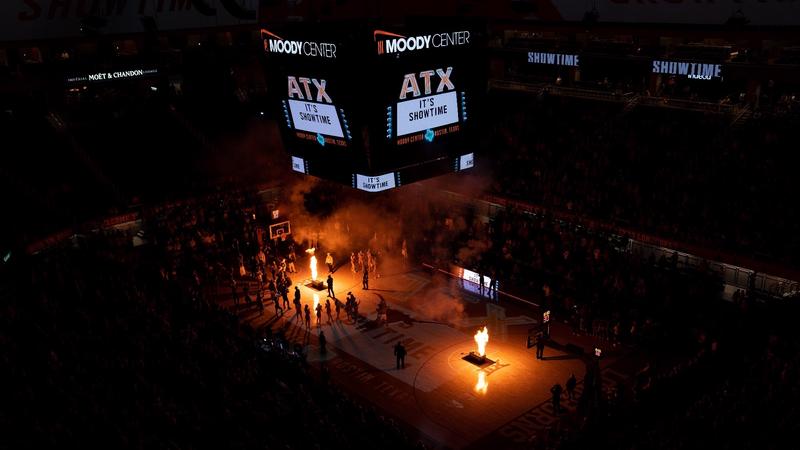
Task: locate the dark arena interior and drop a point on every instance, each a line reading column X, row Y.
column 372, row 224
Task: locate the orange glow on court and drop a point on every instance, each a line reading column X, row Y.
column 482, row 385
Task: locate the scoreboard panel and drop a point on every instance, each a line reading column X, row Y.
column 427, row 76
column 306, row 73
column 376, row 108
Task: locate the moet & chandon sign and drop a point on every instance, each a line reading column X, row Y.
column 276, row 44
column 111, row 76
column 691, row 70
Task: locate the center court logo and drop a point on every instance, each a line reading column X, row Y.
column 397, row 43
column 276, row 44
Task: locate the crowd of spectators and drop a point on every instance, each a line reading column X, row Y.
column 675, row 173
column 125, row 346
column 121, row 346
column 587, row 277
column 739, row 394
column 721, row 374
column 145, row 358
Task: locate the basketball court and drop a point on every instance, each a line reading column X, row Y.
column 450, row 401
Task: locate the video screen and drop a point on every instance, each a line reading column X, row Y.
column 307, row 74
column 430, row 112
column 315, row 118
column 313, row 115
column 373, row 108
column 471, row 282
column 428, row 80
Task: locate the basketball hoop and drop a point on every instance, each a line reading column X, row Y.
column 279, row 230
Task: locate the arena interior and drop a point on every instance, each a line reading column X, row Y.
column 347, row 224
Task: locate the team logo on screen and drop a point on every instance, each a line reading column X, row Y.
column 411, row 86
column 276, row 44
column 319, row 88
column 310, row 110
column 397, row 43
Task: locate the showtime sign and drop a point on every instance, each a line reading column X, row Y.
column 554, row 59
column 396, row 43
column 694, row 71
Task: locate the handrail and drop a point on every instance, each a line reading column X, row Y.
column 686, row 104
column 627, row 97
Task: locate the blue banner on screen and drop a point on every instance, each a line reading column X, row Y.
column 426, row 113
column 315, row 118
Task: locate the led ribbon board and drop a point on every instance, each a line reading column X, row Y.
column 375, row 183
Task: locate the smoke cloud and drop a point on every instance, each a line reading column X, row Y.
column 341, row 220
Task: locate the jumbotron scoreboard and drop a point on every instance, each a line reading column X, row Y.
column 376, row 108
column 310, row 87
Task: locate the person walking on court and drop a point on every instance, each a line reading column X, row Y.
column 319, row 314
column 539, row 347
column 329, row 262
column 348, row 306
column 297, row 299
column 400, row 354
column 355, row 308
column 365, row 279
column 556, row 391
column 328, row 309
column 322, row 343
column 285, row 296
column 307, row 311
column 330, row 286
column 571, row 383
